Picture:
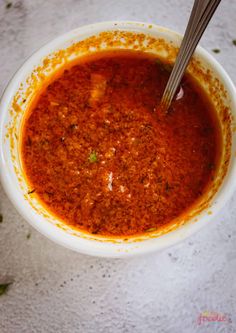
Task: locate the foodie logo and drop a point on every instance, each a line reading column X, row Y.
column 213, row 317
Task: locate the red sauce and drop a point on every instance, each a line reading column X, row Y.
column 99, row 156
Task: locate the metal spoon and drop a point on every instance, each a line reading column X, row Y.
column 201, row 14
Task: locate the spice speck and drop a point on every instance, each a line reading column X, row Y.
column 8, row 5
column 4, row 288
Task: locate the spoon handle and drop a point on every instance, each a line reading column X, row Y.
column 201, row 14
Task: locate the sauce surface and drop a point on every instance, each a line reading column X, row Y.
column 96, row 152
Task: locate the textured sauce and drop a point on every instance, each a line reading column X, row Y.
column 99, row 156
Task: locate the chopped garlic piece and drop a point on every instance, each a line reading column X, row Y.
column 99, row 83
column 54, row 103
column 110, row 180
column 122, row 188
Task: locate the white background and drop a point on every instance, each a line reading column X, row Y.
column 56, row 290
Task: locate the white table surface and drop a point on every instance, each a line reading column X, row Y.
column 57, row 290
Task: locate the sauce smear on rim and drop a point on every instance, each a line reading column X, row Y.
column 100, row 157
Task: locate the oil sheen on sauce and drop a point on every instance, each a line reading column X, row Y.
column 98, row 155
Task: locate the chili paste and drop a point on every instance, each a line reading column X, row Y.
column 99, row 155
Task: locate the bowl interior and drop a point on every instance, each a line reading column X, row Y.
column 87, row 40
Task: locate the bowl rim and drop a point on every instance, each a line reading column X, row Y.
column 84, row 246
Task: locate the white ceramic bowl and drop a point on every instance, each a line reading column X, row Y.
column 40, row 65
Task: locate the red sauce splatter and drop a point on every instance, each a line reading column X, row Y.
column 101, row 159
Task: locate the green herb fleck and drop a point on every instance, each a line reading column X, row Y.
column 3, row 288
column 28, row 235
column 1, row 218
column 216, row 50
column 234, row 42
column 93, row 157
column 150, row 229
column 8, row 5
